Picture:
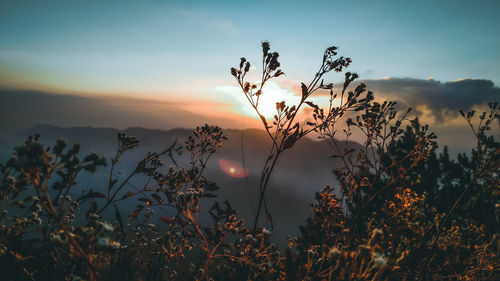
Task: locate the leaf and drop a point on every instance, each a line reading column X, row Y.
column 135, row 214
column 170, row 148
column 157, row 197
column 304, row 90
column 263, row 119
column 167, row 220
column 163, row 248
column 280, row 106
column 180, row 221
column 169, row 196
column 278, row 73
column 97, row 195
column 348, row 151
column 118, row 217
column 311, row 104
column 290, row 140
column 128, row 194
column 112, row 182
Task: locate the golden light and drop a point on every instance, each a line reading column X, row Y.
column 272, row 93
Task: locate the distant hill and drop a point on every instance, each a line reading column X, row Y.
column 305, row 168
column 301, row 171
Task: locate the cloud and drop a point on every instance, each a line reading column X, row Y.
column 441, row 100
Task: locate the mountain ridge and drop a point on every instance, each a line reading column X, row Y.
column 301, row 171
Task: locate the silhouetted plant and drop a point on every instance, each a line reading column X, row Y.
column 284, row 129
column 400, row 211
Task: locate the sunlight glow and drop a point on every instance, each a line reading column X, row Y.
column 272, row 93
column 232, row 168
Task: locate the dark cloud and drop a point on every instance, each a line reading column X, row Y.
column 444, row 99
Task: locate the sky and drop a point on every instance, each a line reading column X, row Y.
column 182, row 50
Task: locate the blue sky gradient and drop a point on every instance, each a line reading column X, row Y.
column 172, row 48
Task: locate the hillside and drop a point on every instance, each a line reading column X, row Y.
column 302, row 170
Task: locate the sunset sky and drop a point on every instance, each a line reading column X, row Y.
column 438, row 56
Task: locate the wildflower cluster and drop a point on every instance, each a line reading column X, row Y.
column 399, row 210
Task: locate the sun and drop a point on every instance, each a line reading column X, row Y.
column 267, row 102
column 271, row 94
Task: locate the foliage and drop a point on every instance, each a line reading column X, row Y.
column 401, row 211
column 284, row 129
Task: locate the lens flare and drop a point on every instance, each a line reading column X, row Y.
column 232, row 168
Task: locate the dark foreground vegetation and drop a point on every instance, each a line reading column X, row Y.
column 401, row 210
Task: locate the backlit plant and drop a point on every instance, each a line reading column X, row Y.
column 400, row 210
